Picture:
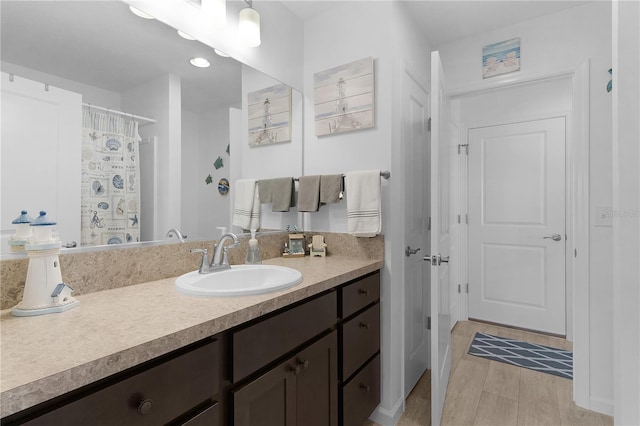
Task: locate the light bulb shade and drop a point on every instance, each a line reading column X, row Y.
column 216, row 11
column 249, row 27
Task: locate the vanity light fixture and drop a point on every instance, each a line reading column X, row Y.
column 216, row 10
column 200, row 62
column 220, row 53
column 140, row 13
column 249, row 25
column 185, row 35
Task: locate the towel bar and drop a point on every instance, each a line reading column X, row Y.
column 386, row 174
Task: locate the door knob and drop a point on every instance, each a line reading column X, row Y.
column 554, row 237
column 436, row 259
column 409, row 251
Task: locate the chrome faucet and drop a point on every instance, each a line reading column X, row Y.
column 173, row 232
column 220, row 260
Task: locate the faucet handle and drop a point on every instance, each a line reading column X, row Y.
column 225, row 254
column 204, row 262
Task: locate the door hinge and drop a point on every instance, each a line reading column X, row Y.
column 458, row 218
column 467, row 286
column 575, row 252
column 466, row 218
column 466, row 146
column 428, row 323
column 429, row 224
column 459, row 288
column 429, row 124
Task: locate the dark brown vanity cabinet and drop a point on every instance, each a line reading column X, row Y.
column 285, row 367
column 313, row 363
column 288, row 371
column 359, row 349
column 179, row 389
column 300, row 391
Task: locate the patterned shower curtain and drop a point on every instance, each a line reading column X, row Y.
column 110, row 186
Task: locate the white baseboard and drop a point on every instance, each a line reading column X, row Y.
column 601, row 405
column 385, row 417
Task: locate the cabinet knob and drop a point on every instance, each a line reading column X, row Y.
column 295, row 370
column 364, row 387
column 363, row 292
column 364, row 325
column 145, row 406
column 303, row 363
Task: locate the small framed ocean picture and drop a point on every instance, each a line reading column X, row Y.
column 344, row 98
column 501, row 58
column 270, row 115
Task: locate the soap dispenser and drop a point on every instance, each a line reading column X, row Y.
column 253, row 254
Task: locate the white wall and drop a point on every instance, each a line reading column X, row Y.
column 190, row 185
column 268, row 161
column 626, row 157
column 90, row 94
column 205, row 137
column 160, row 99
column 348, row 32
column 550, row 44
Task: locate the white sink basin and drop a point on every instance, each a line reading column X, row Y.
column 240, row 280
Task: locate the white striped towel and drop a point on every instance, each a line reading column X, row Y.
column 364, row 212
column 246, row 209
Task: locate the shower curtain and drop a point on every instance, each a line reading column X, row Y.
column 110, row 185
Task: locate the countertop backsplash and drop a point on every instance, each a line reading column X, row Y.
column 93, row 271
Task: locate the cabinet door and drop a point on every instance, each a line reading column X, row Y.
column 268, row 400
column 317, row 387
column 302, row 391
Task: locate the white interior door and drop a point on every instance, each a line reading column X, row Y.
column 439, row 240
column 517, row 224
column 41, row 133
column 416, row 292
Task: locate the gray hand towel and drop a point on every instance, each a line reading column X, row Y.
column 284, row 195
column 309, row 193
column 330, row 188
column 266, row 190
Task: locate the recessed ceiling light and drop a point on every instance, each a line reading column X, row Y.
column 200, row 62
column 220, row 53
column 185, row 35
column 140, row 13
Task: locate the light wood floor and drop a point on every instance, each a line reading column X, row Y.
column 483, row 392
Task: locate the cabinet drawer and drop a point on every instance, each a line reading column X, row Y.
column 360, row 340
column 155, row 396
column 263, row 342
column 362, row 394
column 208, row 417
column 359, row 294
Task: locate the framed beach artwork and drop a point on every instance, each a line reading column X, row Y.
column 501, row 58
column 270, row 115
column 344, row 98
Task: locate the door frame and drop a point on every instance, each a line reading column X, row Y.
column 577, row 214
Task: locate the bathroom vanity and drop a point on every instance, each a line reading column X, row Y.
column 144, row 354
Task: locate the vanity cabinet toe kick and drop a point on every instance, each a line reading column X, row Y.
column 316, row 362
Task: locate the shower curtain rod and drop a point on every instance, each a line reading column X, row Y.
column 124, row 114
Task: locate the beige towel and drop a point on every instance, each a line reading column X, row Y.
column 330, row 188
column 266, row 190
column 284, row 195
column 279, row 191
column 246, row 210
column 364, row 212
column 309, row 193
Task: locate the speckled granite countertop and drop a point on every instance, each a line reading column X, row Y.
column 46, row 356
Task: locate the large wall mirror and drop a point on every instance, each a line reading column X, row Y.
column 79, row 71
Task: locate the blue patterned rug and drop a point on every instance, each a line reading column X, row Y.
column 522, row 354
